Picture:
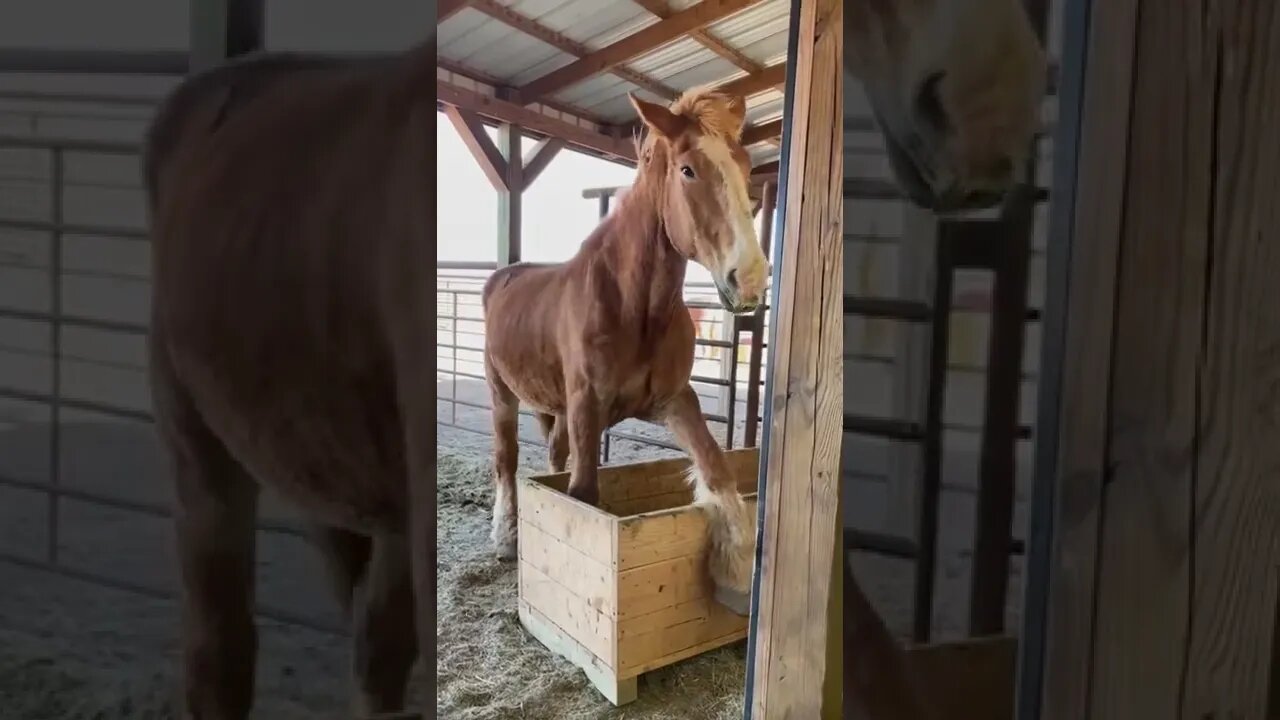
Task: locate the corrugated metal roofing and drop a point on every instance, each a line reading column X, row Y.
column 475, row 41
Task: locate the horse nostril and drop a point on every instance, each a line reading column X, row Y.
column 732, row 279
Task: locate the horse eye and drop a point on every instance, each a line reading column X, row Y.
column 929, row 104
column 686, row 171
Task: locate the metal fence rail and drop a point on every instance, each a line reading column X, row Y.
column 451, row 344
column 56, row 401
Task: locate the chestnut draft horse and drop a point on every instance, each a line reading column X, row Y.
column 292, row 341
column 606, row 336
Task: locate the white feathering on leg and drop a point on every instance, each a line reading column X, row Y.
column 731, row 557
column 503, row 533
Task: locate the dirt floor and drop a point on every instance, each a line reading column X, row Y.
column 490, row 667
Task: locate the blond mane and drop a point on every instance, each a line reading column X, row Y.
column 707, row 106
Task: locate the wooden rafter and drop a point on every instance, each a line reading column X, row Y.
column 486, row 154
column 533, row 28
column 500, row 84
column 446, row 9
column 758, row 82
column 662, row 9
column 509, row 112
column 763, row 132
column 632, row 46
column 538, row 158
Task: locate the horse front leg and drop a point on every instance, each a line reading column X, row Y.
column 584, row 441
column 731, row 559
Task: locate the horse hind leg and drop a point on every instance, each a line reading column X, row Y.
column 506, row 409
column 555, row 430
column 216, row 510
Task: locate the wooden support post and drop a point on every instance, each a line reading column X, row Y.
column 1160, row 369
column 800, row 520
column 509, row 197
column 221, row 29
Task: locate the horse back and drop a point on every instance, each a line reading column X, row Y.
column 289, row 240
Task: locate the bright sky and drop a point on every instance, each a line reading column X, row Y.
column 556, row 216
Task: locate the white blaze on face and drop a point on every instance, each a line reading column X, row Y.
column 744, row 253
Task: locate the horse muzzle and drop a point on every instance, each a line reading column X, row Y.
column 733, row 301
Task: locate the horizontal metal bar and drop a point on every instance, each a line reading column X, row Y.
column 890, row 308
column 105, row 147
column 720, row 382
column 264, row 611
column 890, row 428
column 75, row 321
column 76, row 404
column 713, row 417
column 621, row 435
column 94, row 62
column 121, row 233
column 465, row 265
column 880, row 543
column 152, row 509
column 148, row 101
column 486, row 433
column 900, row 547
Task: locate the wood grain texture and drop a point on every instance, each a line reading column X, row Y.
column 649, row 38
column 801, row 520
column 1143, row 591
column 1086, row 380
column 1234, row 49
column 972, row 679
column 1167, row 563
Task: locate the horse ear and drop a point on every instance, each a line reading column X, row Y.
column 659, row 119
column 737, row 106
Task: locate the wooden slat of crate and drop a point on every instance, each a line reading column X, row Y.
column 655, row 586
column 662, row 535
column 573, row 615
column 674, row 633
column 575, row 523
column 592, row 581
column 617, row 691
column 620, row 484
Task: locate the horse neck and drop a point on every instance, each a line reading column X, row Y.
column 649, row 270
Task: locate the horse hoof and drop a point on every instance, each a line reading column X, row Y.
column 505, row 549
column 738, row 602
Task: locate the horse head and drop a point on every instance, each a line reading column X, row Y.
column 956, row 87
column 698, row 171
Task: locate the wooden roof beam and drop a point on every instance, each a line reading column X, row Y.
column 498, row 84
column 756, row 83
column 533, row 28
column 632, row 46
column 764, row 132
column 662, row 9
column 509, row 112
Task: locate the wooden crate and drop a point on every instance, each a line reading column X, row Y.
column 622, row 589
